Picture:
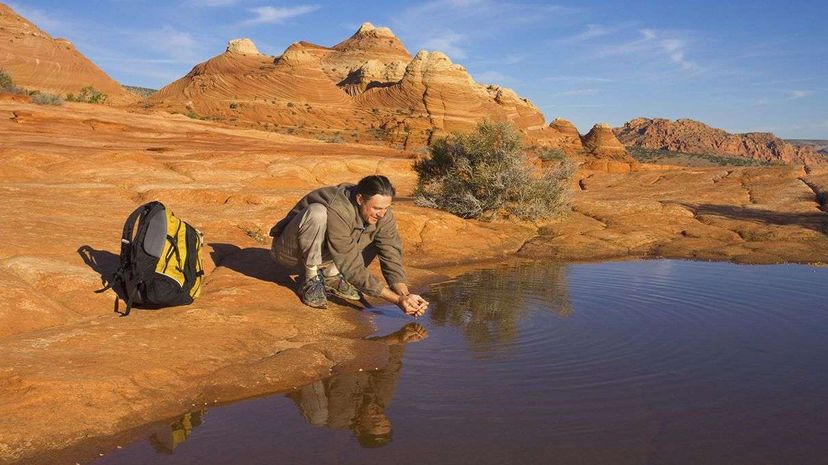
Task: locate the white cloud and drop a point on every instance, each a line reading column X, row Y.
column 576, row 92
column 795, row 94
column 577, row 78
column 652, row 44
column 593, row 31
column 172, row 43
column 449, row 43
column 492, row 77
column 457, row 26
column 214, row 3
column 274, row 15
column 43, row 20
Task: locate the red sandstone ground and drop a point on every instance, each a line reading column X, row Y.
column 75, row 376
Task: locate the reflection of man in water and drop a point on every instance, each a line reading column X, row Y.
column 357, row 401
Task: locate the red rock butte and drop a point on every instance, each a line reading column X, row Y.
column 365, row 87
column 686, row 135
column 36, row 61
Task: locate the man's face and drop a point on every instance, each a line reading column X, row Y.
column 374, row 208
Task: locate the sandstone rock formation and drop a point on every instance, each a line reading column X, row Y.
column 369, row 43
column 244, row 46
column 560, row 134
column 601, row 142
column 366, row 87
column 36, row 61
column 606, row 152
column 686, row 135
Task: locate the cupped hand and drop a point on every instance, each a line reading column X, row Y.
column 413, row 305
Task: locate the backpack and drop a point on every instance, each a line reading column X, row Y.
column 160, row 265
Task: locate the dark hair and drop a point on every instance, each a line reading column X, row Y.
column 370, row 186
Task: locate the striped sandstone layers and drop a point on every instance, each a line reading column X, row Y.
column 36, row 61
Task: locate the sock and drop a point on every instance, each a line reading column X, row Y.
column 311, row 271
column 330, row 270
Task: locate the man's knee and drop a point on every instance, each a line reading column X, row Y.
column 316, row 213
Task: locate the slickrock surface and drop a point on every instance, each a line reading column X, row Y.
column 72, row 371
column 75, row 378
column 36, row 61
column 746, row 215
column 686, row 135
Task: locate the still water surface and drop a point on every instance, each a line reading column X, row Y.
column 649, row 362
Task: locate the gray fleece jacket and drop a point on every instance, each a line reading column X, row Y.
column 348, row 235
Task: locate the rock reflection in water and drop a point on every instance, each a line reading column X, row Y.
column 357, row 401
column 487, row 305
column 166, row 439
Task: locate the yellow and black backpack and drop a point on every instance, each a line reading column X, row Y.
column 160, row 263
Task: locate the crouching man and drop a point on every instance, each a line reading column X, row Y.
column 334, row 233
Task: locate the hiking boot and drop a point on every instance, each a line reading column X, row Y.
column 337, row 286
column 312, row 293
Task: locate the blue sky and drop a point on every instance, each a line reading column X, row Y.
column 741, row 66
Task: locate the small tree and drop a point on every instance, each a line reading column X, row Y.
column 477, row 174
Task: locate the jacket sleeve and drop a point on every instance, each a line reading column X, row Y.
column 389, row 247
column 348, row 258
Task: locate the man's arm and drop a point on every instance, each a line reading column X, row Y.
column 348, row 258
column 389, row 249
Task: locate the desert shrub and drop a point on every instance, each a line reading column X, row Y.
column 88, row 95
column 550, row 154
column 7, row 84
column 5, row 80
column 43, row 98
column 476, row 175
column 335, row 138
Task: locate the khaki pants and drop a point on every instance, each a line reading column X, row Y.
column 302, row 242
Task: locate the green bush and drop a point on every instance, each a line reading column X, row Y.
column 5, row 80
column 7, row 84
column 476, row 175
column 42, row 98
column 88, row 95
column 550, row 154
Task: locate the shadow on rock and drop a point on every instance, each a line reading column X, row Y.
column 816, row 221
column 101, row 261
column 257, row 263
column 254, row 262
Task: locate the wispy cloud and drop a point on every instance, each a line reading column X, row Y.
column 448, row 42
column 493, row 77
column 576, row 92
column 214, row 3
column 275, row 15
column 652, row 44
column 577, row 78
column 455, row 26
column 169, row 42
column 43, row 19
column 796, row 94
column 787, row 97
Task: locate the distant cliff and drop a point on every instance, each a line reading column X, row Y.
column 686, row 135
